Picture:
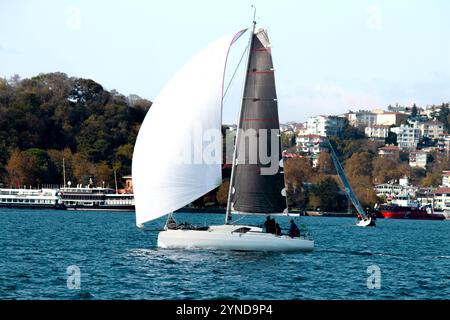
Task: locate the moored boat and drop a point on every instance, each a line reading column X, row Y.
column 96, row 199
column 407, row 212
column 31, row 198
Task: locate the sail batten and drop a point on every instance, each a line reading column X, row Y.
column 166, row 174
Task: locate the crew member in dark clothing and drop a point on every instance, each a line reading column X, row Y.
column 277, row 230
column 171, row 223
column 294, row 231
column 270, row 225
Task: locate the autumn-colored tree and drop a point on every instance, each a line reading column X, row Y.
column 433, row 177
column 83, row 169
column 360, row 164
column 358, row 170
column 104, row 175
column 22, row 169
column 297, row 172
column 326, row 165
column 222, row 193
column 387, row 169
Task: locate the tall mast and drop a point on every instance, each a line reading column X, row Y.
column 64, row 172
column 234, row 162
column 115, row 180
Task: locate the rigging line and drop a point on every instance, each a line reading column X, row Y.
column 235, row 72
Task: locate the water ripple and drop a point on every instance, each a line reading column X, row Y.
column 117, row 261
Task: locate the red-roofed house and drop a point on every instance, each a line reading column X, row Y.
column 389, row 152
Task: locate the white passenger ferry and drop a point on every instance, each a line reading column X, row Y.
column 96, row 199
column 31, row 198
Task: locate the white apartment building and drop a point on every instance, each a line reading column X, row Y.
column 388, row 190
column 442, row 199
column 362, row 118
column 310, row 144
column 418, row 159
column 325, row 125
column 446, row 178
column 444, row 144
column 407, row 137
column 431, row 129
column 377, row 132
column 390, row 118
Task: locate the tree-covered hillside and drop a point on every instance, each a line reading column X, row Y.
column 51, row 116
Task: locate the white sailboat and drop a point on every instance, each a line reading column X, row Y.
column 191, row 103
column 364, row 218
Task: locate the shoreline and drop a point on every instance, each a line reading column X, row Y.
column 216, row 210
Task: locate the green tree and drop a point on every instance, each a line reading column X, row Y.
column 391, row 139
column 327, row 191
column 414, row 112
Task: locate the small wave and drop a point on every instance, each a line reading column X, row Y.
column 84, row 295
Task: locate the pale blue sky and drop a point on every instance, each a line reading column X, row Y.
column 329, row 55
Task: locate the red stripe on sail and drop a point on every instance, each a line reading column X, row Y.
column 260, row 119
column 262, row 72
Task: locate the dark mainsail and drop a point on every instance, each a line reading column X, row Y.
column 253, row 192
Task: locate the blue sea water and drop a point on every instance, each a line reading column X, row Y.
column 118, row 261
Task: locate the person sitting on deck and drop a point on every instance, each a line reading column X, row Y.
column 171, row 223
column 294, row 231
column 269, row 225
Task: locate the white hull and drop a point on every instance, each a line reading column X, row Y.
column 225, row 237
column 366, row 223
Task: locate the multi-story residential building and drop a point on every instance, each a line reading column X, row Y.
column 442, row 199
column 310, row 144
column 431, row 129
column 391, row 118
column 418, row 159
column 362, row 118
column 430, row 111
column 425, row 197
column 325, row 125
column 388, row 190
column 392, row 152
column 444, row 144
column 407, row 137
column 377, row 132
column 446, row 178
column 376, row 117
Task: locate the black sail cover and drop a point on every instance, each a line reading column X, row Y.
column 254, row 192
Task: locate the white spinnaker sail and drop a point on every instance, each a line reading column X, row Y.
column 191, row 102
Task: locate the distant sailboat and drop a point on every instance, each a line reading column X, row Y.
column 191, row 100
column 364, row 219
